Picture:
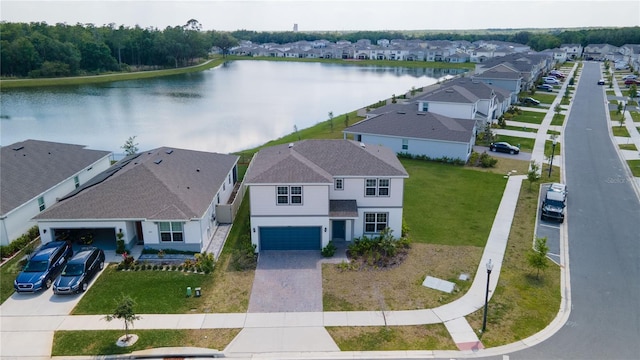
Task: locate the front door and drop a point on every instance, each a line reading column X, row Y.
column 339, row 229
column 139, row 232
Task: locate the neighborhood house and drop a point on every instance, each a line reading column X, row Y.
column 307, row 193
column 162, row 198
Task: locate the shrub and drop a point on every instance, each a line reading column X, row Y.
column 329, row 250
column 205, row 262
column 20, row 243
column 379, row 251
column 244, row 257
column 486, row 161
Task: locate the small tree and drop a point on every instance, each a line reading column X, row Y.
column 331, row 120
column 346, row 121
column 537, row 256
column 557, row 109
column 124, row 311
column 130, row 147
column 633, row 91
column 534, row 173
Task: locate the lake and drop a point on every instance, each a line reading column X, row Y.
column 235, row 106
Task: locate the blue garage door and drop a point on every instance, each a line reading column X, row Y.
column 290, row 238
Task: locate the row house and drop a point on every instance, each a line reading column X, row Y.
column 573, row 51
column 599, row 52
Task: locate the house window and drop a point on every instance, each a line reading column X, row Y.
column 76, row 181
column 289, row 195
column 425, row 106
column 405, row 144
column 338, row 184
column 41, row 203
column 376, row 187
column 229, row 178
column 171, row 231
column 375, row 222
column 224, row 187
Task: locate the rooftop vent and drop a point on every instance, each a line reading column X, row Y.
column 290, row 145
column 362, row 145
column 169, row 151
column 158, row 161
column 18, row 148
column 402, row 112
column 449, row 90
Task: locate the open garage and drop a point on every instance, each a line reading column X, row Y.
column 103, row 238
column 290, row 238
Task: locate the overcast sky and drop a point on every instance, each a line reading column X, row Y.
column 326, row 15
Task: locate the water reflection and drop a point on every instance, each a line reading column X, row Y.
column 238, row 105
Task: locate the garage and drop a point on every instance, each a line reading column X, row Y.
column 290, row 238
column 103, row 238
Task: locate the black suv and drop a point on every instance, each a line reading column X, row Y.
column 553, row 206
column 82, row 267
column 43, row 267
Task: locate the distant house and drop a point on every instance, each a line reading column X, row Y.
column 504, row 77
column 417, row 133
column 600, row 52
column 164, row 198
column 573, row 51
column 33, row 174
column 307, row 193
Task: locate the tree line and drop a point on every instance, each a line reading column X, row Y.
column 40, row 50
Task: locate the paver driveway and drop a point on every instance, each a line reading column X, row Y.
column 288, row 281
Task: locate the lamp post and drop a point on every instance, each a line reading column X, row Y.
column 553, row 152
column 486, row 296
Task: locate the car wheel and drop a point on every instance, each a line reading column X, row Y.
column 47, row 283
column 84, row 286
column 511, row 152
column 492, row 149
column 101, row 265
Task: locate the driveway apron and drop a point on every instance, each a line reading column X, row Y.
column 287, row 281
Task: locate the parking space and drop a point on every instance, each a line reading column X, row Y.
column 41, row 303
column 549, row 229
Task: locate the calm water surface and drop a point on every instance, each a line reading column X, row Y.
column 236, row 106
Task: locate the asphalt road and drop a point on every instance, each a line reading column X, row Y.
column 603, row 222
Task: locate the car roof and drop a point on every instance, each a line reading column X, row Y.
column 554, row 195
column 82, row 255
column 44, row 253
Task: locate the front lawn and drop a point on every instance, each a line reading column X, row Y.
column 544, row 98
column 525, row 144
column 521, row 128
column 634, row 165
column 86, row 342
column 558, row 119
column 533, row 117
column 8, row 272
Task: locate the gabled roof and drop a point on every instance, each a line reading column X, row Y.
column 416, row 125
column 318, row 161
column 31, row 167
column 160, row 184
column 452, row 94
column 500, row 71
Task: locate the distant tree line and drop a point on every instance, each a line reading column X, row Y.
column 41, row 50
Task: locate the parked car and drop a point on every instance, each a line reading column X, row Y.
column 557, row 75
column 79, row 271
column 530, row 101
column 629, row 76
column 43, row 267
column 560, row 188
column 545, row 87
column 632, row 81
column 553, row 206
column 551, row 81
column 601, row 82
column 504, row 147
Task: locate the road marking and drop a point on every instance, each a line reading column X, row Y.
column 551, row 226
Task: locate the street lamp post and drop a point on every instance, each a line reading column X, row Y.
column 486, row 296
column 553, row 152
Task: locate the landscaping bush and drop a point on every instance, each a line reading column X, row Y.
column 245, row 257
column 21, row 242
column 486, row 161
column 382, row 251
column 205, row 262
column 329, row 250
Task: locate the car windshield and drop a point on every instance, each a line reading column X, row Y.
column 555, row 203
column 73, row 270
column 36, row 266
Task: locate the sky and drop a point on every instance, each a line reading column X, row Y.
column 329, row 15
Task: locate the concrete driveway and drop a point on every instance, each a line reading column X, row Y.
column 287, row 281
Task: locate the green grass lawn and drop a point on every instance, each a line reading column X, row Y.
column 558, row 119
column 525, row 144
column 635, row 116
column 441, row 203
column 620, row 131
column 634, row 165
column 628, row 147
column 544, row 98
column 521, row 128
column 84, row 343
column 548, row 148
column 8, row 273
column 155, row 292
column 529, row 117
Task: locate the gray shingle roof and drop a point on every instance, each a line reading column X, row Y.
column 452, row 94
column 343, row 208
column 31, row 167
column 318, row 161
column 160, row 184
column 499, row 72
column 416, row 125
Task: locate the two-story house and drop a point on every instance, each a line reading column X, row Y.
column 307, row 193
column 165, row 198
column 34, row 173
